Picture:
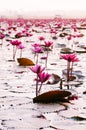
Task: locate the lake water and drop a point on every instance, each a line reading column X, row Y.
column 17, row 87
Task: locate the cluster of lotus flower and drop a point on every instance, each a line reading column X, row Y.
column 41, row 76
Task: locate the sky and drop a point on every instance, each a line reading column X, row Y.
column 41, row 6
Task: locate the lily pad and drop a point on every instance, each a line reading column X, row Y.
column 54, row 79
column 77, row 74
column 52, row 96
column 66, row 51
column 78, row 118
column 63, row 34
column 80, row 51
column 25, row 62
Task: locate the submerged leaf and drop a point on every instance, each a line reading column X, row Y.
column 25, row 62
column 52, row 96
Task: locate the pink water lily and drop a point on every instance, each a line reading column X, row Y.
column 41, row 38
column 36, row 44
column 36, row 50
column 48, row 43
column 21, row 47
column 69, row 37
column 16, row 44
column 70, row 59
column 37, row 69
column 40, row 76
column 43, row 77
column 2, row 36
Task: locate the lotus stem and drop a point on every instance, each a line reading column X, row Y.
column 46, row 58
column 37, row 58
column 37, row 86
column 61, row 82
column 40, row 88
column 68, row 71
column 20, row 53
column 71, row 68
column 14, row 52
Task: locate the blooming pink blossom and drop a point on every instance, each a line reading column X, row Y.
column 15, row 42
column 48, row 43
column 36, row 44
column 2, row 35
column 41, row 38
column 70, row 57
column 69, row 37
column 37, row 69
column 43, row 77
column 21, row 46
column 38, row 49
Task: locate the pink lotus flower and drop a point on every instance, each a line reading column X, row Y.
column 70, row 58
column 41, row 38
column 69, row 37
column 2, row 35
column 37, row 49
column 16, row 44
column 40, row 76
column 37, row 69
column 28, row 34
column 48, row 43
column 36, row 45
column 2, row 29
column 21, row 47
column 43, row 77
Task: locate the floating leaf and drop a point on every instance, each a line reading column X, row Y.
column 78, row 118
column 80, row 51
column 52, row 96
column 63, row 34
column 25, row 62
column 54, row 79
column 54, row 37
column 72, row 78
column 66, row 51
column 84, row 92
